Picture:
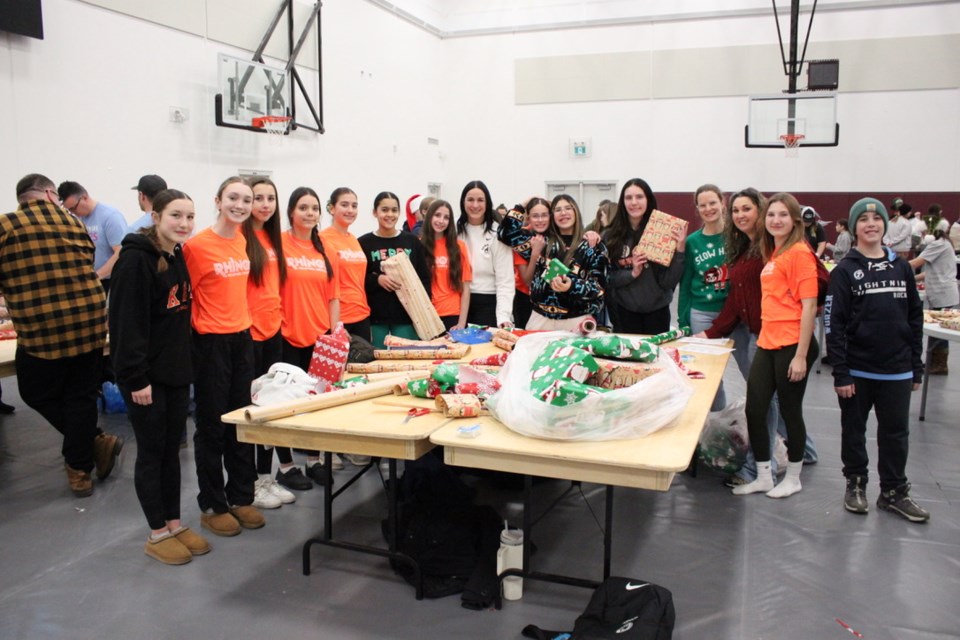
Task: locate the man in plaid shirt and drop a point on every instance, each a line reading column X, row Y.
column 58, row 309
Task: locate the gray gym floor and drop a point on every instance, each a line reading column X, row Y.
column 738, row 567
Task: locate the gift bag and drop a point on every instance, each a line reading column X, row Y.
column 330, row 355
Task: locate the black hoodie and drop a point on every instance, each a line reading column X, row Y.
column 874, row 319
column 149, row 315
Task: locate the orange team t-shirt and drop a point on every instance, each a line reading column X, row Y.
column 351, row 269
column 785, row 280
column 264, row 300
column 218, row 274
column 518, row 262
column 306, row 292
column 446, row 299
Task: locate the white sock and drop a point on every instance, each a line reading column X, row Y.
column 763, row 483
column 790, row 483
column 284, row 468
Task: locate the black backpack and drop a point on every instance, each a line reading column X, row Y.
column 621, row 609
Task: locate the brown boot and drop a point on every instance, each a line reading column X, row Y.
column 193, row 541
column 80, row 482
column 167, row 550
column 938, row 362
column 106, row 449
column 248, row 517
column 220, row 524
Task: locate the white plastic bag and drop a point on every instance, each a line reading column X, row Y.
column 632, row 412
column 725, row 441
column 284, row 382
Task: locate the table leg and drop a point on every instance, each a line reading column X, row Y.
column 608, row 533
column 926, row 381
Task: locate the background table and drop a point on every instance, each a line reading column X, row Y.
column 933, row 330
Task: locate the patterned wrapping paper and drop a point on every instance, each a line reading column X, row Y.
column 396, row 341
column 330, row 355
column 657, row 242
column 495, row 360
column 459, row 405
column 453, row 353
column 617, row 375
column 452, row 378
column 615, row 346
column 387, row 367
column 555, row 268
column 559, row 372
column 413, row 296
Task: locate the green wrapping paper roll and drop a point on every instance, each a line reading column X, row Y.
column 614, row 346
column 668, row 336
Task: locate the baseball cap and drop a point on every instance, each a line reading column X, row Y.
column 151, row 185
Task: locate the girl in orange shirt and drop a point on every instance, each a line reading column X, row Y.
column 223, row 363
column 538, row 221
column 351, row 262
column 311, row 295
column 268, row 272
column 785, row 349
column 449, row 266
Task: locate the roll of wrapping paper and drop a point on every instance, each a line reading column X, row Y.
column 587, row 326
column 456, row 353
column 331, row 399
column 387, row 367
column 459, row 405
column 397, row 341
column 668, row 336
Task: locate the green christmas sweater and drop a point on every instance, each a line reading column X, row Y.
column 705, row 275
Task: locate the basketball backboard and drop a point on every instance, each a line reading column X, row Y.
column 248, row 90
column 811, row 115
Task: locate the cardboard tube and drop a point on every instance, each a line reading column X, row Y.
column 330, row 399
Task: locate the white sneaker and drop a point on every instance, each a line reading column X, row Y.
column 262, row 497
column 355, row 460
column 335, row 461
column 286, row 497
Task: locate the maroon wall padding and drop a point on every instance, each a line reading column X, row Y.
column 830, row 205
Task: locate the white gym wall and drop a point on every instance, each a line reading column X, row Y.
column 92, row 102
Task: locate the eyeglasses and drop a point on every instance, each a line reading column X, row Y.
column 563, row 209
column 73, row 208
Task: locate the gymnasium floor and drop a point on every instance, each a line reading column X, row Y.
column 738, row 567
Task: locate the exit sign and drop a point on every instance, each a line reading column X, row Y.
column 580, row 147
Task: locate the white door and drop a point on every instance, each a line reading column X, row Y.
column 588, row 194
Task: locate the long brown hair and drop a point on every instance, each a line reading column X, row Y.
column 557, row 247
column 619, row 234
column 736, row 242
column 767, row 245
column 298, row 193
column 160, row 202
column 429, row 238
column 256, row 251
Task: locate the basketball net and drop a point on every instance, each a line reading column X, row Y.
column 791, row 144
column 275, row 126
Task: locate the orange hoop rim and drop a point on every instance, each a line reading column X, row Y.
column 792, row 140
column 262, row 121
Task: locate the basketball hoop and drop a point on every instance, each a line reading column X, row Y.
column 791, row 143
column 273, row 125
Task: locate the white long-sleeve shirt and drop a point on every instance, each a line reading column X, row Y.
column 492, row 264
column 898, row 234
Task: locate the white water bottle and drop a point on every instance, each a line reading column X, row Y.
column 510, row 556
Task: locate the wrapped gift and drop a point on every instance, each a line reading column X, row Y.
column 555, row 268
column 426, row 388
column 330, row 355
column 617, row 375
column 566, row 392
column 658, row 242
column 560, row 362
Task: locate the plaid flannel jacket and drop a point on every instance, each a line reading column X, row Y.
column 55, row 298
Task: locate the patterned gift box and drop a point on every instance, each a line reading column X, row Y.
column 555, row 268
column 330, row 353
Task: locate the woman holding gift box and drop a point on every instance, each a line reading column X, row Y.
column 785, row 348
column 447, row 260
column 310, row 294
column 387, row 314
column 569, row 276
column 639, row 292
column 351, row 263
column 268, row 271
column 223, row 362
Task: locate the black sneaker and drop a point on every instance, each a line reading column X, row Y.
column 294, row 479
column 900, row 502
column 855, row 497
column 317, row 473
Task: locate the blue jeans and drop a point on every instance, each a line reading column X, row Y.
column 745, row 346
column 701, row 321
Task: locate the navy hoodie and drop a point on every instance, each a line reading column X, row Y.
column 149, row 314
column 874, row 320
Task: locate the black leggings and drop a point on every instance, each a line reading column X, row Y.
column 483, row 309
column 650, row 323
column 265, row 354
column 157, row 426
column 768, row 374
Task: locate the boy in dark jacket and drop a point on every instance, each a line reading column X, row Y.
column 874, row 328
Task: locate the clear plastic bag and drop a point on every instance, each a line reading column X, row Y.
column 724, row 442
column 631, row 412
column 282, row 383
